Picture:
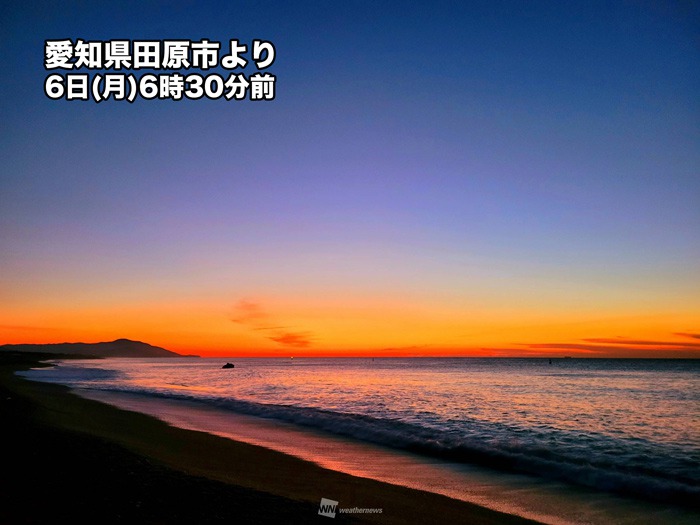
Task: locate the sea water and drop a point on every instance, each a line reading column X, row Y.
column 618, row 426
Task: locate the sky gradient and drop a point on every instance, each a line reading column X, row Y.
column 477, row 178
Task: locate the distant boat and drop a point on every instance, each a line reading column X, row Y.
column 229, row 365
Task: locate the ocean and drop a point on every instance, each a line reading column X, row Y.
column 627, row 428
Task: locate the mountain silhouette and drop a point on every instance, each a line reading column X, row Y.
column 118, row 348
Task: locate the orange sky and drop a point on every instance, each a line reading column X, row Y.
column 276, row 327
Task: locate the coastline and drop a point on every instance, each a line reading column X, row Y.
column 539, row 499
column 126, row 466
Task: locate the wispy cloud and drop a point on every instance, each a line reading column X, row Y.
column 638, row 342
column 247, row 312
column 253, row 316
column 295, row 339
column 620, row 346
column 686, row 334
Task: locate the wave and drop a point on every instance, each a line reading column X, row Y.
column 69, row 375
column 620, row 468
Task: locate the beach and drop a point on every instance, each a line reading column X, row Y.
column 84, row 461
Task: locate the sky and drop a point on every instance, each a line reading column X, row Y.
column 439, row 178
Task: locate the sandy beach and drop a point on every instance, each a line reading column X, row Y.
column 82, row 460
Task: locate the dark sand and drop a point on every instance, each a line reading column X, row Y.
column 69, row 459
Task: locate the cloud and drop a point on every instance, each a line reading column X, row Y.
column 293, row 339
column 637, row 342
column 253, row 316
column 685, row 334
column 248, row 312
column 621, row 347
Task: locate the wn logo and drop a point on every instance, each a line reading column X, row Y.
column 327, row 508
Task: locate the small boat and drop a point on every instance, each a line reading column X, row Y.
column 229, row 365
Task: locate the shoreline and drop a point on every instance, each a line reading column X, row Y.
column 248, row 482
column 539, row 499
column 487, row 488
